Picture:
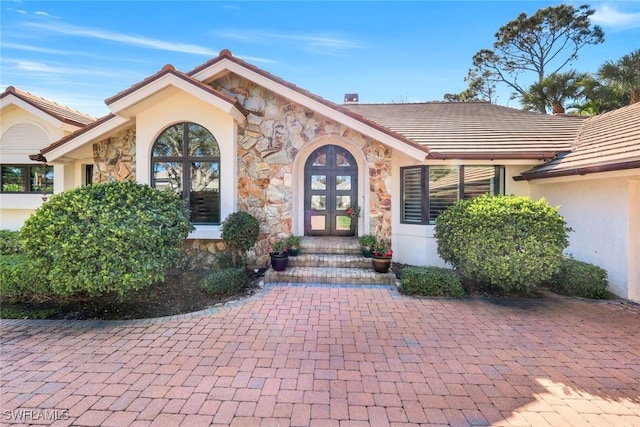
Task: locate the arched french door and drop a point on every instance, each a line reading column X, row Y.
column 330, row 187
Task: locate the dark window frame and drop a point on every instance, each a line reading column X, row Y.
column 186, row 160
column 425, row 202
column 26, row 179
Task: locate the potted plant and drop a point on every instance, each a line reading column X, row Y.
column 367, row 242
column 381, row 257
column 293, row 242
column 279, row 254
column 353, row 212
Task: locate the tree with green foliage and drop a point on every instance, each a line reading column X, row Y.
column 542, row 43
column 554, row 91
column 111, row 237
column 508, row 242
column 599, row 97
column 624, row 74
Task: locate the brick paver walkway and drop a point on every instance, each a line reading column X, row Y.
column 332, row 356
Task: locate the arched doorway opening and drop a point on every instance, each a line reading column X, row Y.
column 330, row 187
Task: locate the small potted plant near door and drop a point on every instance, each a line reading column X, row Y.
column 279, row 254
column 293, row 242
column 381, row 257
column 367, row 242
column 353, row 212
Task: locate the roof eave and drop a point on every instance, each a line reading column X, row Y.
column 20, row 102
column 610, row 167
column 497, row 155
column 92, row 132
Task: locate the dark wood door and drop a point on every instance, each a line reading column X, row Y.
column 331, row 186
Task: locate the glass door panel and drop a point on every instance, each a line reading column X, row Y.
column 331, row 176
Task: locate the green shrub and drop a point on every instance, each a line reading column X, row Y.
column 580, row 279
column 226, row 282
column 111, row 237
column 21, row 280
column 10, row 242
column 510, row 242
column 431, row 281
column 240, row 232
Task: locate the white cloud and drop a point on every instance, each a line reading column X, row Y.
column 45, row 14
column 306, row 41
column 608, row 16
column 36, row 67
column 132, row 40
column 31, row 48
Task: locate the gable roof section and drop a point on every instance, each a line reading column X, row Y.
column 38, row 105
column 96, row 130
column 608, row 142
column 169, row 76
column 226, row 62
column 476, row 130
column 122, row 104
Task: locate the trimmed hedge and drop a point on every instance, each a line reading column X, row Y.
column 580, row 279
column 431, row 281
column 21, row 280
column 509, row 242
column 239, row 231
column 110, row 237
column 226, row 282
column 10, row 242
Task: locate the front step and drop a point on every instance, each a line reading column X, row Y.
column 330, row 275
column 330, row 260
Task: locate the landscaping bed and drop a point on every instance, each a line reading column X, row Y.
column 181, row 292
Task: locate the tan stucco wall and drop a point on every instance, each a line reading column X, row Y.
column 16, row 208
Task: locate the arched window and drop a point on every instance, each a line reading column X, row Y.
column 186, row 159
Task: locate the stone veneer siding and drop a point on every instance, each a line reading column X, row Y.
column 267, row 146
column 114, row 158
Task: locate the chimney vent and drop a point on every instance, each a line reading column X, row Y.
column 351, row 98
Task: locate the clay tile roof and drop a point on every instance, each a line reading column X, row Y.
column 60, row 112
column 475, row 129
column 608, row 142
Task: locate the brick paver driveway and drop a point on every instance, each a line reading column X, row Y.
column 333, row 356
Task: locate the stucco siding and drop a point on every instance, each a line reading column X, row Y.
column 598, row 211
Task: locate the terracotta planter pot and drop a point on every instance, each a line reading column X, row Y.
column 279, row 262
column 381, row 265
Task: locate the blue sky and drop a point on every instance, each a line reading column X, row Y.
column 78, row 53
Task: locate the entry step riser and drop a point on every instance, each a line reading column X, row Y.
column 329, row 260
column 345, row 276
column 330, row 245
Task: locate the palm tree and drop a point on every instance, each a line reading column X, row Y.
column 624, row 73
column 553, row 91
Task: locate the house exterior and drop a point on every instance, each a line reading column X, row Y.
column 230, row 136
column 28, row 124
column 597, row 185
